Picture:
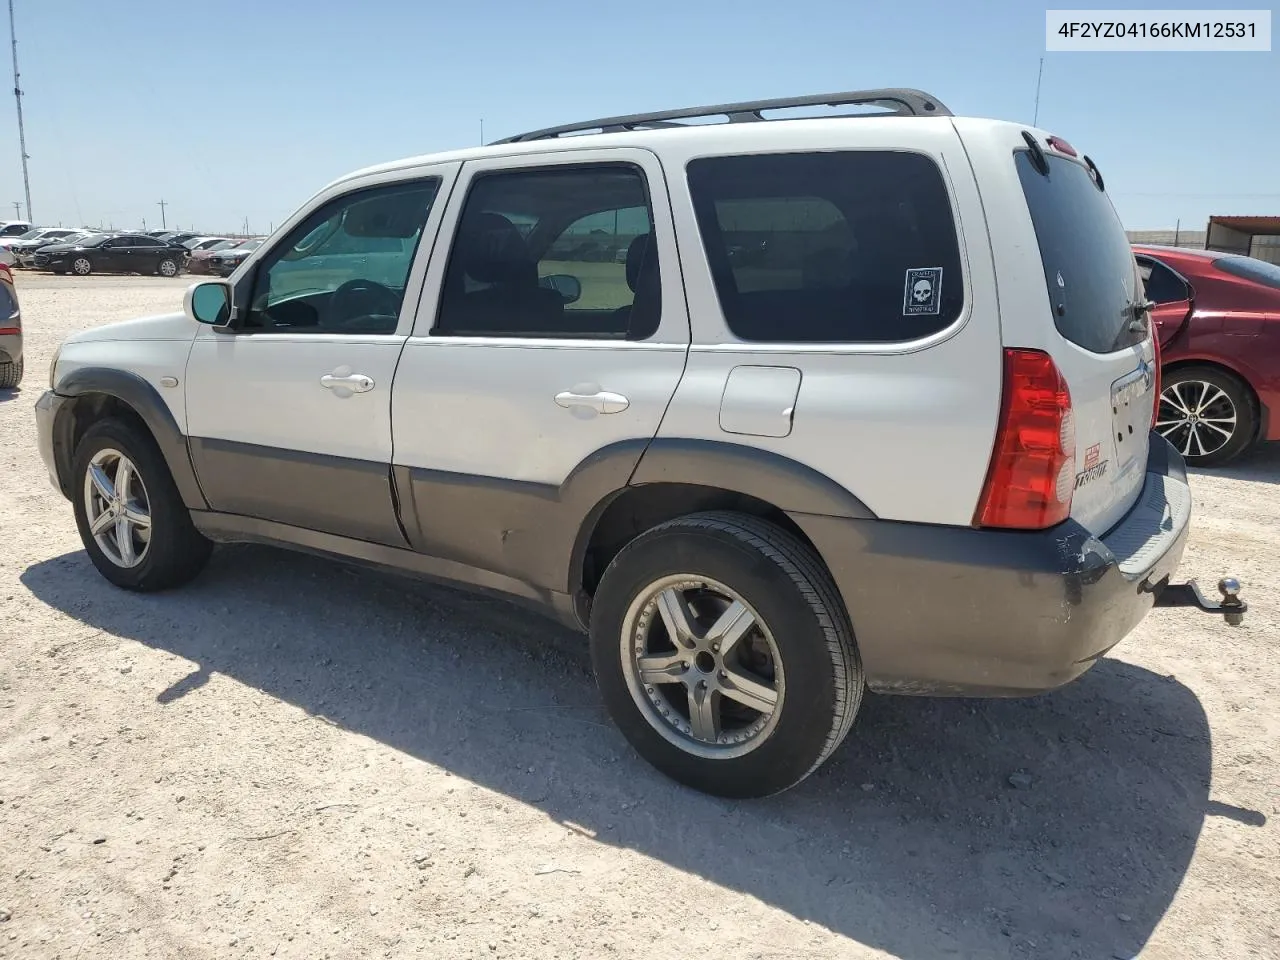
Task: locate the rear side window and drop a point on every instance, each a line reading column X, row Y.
column 1162, row 284
column 838, row 247
column 1088, row 263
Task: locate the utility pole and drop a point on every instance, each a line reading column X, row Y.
column 17, row 209
column 162, row 205
column 1039, row 75
column 1177, row 231
column 17, row 93
column 481, row 124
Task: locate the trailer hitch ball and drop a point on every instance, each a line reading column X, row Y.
column 1232, row 606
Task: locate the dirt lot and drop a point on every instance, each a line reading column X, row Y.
column 291, row 758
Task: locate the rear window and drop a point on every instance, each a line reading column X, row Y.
column 1259, row 271
column 1088, row 263
column 838, row 247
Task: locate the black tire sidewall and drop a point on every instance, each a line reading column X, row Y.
column 1246, row 412
column 798, row 741
column 174, row 545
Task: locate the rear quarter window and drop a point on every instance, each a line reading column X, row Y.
column 836, row 247
column 1259, row 271
column 1088, row 264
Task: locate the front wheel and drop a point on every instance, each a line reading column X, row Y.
column 168, row 267
column 1207, row 414
column 724, row 654
column 82, row 266
column 132, row 521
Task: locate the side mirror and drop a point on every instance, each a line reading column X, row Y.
column 569, row 287
column 209, row 302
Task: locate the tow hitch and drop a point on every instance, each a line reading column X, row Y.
column 1188, row 594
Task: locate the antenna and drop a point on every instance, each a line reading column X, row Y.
column 17, row 94
column 482, row 131
column 1035, row 119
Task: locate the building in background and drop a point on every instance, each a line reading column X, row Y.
column 1252, row 236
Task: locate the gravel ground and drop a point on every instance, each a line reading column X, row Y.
column 293, row 758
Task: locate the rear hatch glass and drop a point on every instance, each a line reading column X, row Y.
column 1093, row 285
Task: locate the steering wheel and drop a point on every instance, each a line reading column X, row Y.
column 360, row 299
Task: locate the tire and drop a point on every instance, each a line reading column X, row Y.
column 1196, row 405
column 172, row 551
column 800, row 646
column 82, row 266
column 168, row 267
column 10, row 374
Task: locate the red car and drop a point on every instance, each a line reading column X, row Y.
column 1218, row 317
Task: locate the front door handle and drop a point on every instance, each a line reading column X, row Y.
column 601, row 401
column 345, row 384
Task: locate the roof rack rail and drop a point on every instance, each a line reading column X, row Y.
column 903, row 102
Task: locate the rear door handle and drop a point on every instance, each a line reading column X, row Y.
column 346, row 384
column 602, row 401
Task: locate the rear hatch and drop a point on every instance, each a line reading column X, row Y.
column 1104, row 349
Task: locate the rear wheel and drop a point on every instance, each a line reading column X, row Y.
column 168, row 267
column 1207, row 414
column 10, row 374
column 82, row 266
column 132, row 521
column 723, row 653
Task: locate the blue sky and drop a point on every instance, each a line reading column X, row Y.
column 242, row 108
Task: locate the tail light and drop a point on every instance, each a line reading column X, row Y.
column 1032, row 472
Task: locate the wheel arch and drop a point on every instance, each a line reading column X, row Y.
column 676, row 478
column 96, row 393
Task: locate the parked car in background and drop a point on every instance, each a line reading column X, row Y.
column 122, row 253
column 38, row 238
column 25, row 253
column 10, row 332
column 177, row 238
column 1218, row 319
column 13, row 228
column 201, row 261
column 202, row 243
column 224, row 262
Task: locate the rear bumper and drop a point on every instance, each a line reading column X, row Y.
column 960, row 611
column 10, row 347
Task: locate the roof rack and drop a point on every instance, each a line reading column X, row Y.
column 902, row 102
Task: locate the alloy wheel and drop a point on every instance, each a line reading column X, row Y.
column 1197, row 417
column 168, row 268
column 702, row 666
column 82, row 266
column 117, row 508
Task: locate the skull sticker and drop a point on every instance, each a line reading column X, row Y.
column 923, row 293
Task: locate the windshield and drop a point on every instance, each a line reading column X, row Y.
column 95, row 239
column 31, row 234
column 249, row 245
column 1259, row 271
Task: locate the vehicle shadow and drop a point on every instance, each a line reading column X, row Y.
column 1260, row 464
column 1059, row 826
column 10, row 393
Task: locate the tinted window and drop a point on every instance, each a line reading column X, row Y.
column 1088, row 263
column 554, row 252
column 126, row 241
column 344, row 268
column 146, row 242
column 829, row 247
column 1259, row 271
column 1162, row 284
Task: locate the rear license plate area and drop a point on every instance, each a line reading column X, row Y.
column 1131, row 402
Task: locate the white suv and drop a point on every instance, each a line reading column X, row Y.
column 865, row 402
